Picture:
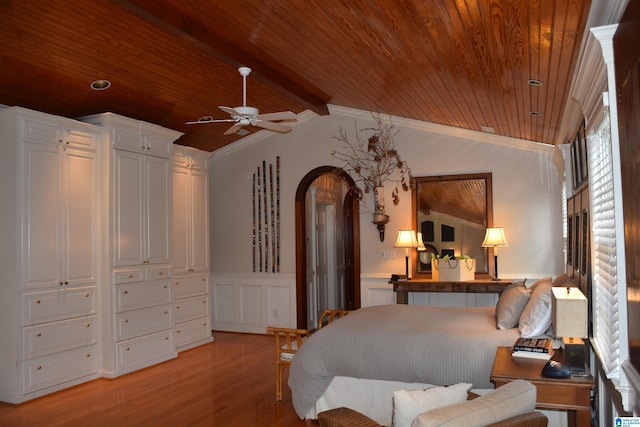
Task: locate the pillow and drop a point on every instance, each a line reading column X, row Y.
column 407, row 404
column 536, row 317
column 561, row 280
column 512, row 399
column 511, row 303
column 537, row 282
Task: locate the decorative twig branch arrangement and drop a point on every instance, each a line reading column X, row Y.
column 372, row 159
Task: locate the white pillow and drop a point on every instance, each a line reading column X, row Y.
column 511, row 304
column 407, row 404
column 536, row 317
column 512, row 399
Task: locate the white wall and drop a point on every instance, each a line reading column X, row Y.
column 526, row 202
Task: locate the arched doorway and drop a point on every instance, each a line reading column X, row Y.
column 350, row 221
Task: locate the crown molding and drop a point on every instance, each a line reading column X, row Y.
column 471, row 135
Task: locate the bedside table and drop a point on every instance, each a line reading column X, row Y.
column 572, row 394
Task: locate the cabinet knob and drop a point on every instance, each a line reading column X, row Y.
column 68, row 142
column 60, row 141
column 39, row 367
column 87, row 295
column 125, row 292
column 177, row 283
column 166, row 312
column 88, row 354
column 126, row 320
column 165, row 286
column 204, row 279
column 178, row 331
column 61, row 283
column 66, row 282
column 127, row 349
column 161, row 273
column 37, row 301
column 39, row 334
column 177, row 307
column 88, row 325
column 131, row 276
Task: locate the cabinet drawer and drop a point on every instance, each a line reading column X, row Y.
column 187, row 286
column 49, row 306
column 142, row 294
column 144, row 321
column 158, row 145
column 128, row 276
column 40, row 132
column 80, row 139
column 158, row 273
column 128, row 140
column 144, row 351
column 192, row 331
column 58, row 336
column 59, row 367
column 191, row 308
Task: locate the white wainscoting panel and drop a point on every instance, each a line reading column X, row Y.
column 249, row 302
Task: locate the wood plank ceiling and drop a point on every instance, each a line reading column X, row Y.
column 462, row 63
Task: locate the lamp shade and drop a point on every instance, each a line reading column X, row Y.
column 421, row 246
column 494, row 237
column 569, row 312
column 406, row 239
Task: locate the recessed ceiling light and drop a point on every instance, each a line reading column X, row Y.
column 535, row 113
column 100, row 84
column 534, row 82
column 487, row 129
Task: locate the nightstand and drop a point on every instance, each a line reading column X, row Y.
column 572, row 394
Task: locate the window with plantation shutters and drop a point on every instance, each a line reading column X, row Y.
column 605, row 288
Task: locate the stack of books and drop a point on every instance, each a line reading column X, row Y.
column 534, row 348
column 399, row 278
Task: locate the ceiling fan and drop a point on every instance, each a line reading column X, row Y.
column 245, row 115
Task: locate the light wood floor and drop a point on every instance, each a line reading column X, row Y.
column 230, row 382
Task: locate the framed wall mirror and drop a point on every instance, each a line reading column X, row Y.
column 451, row 213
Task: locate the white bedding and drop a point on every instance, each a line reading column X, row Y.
column 403, row 343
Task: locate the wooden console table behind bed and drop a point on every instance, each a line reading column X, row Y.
column 483, row 286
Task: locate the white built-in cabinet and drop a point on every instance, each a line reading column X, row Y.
column 49, row 254
column 190, row 240
column 138, row 295
column 104, row 252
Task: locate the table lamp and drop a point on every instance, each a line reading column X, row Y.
column 407, row 240
column 493, row 238
column 569, row 320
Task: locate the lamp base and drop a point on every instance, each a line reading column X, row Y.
column 574, row 354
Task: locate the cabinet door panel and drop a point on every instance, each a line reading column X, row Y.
column 80, row 222
column 42, row 217
column 180, row 231
column 199, row 221
column 192, row 331
column 158, row 208
column 128, row 210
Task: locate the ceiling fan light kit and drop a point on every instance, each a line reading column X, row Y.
column 246, row 115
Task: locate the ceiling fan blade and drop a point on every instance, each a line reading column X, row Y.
column 233, row 129
column 230, row 111
column 209, row 119
column 282, row 115
column 277, row 127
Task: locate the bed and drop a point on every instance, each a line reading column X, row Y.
column 377, row 349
